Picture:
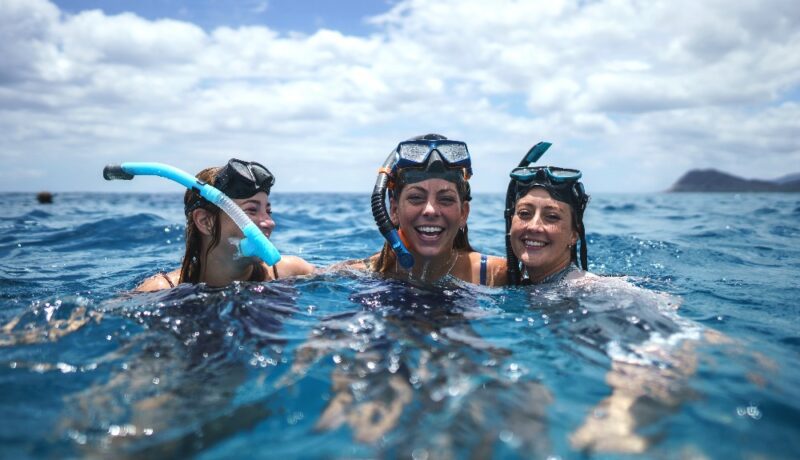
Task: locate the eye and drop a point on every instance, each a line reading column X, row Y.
column 447, row 199
column 524, row 214
column 415, row 198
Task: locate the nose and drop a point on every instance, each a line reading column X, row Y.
column 536, row 223
column 430, row 209
column 265, row 222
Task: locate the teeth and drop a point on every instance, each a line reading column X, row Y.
column 430, row 229
column 533, row 243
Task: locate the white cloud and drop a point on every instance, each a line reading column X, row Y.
column 633, row 92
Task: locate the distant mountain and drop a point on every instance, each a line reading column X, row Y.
column 711, row 180
column 787, row 178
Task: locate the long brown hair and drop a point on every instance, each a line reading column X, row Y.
column 194, row 259
column 387, row 260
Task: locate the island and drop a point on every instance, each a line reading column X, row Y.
column 712, row 180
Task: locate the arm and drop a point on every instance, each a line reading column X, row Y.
column 294, row 266
column 159, row 281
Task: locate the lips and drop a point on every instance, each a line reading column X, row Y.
column 533, row 244
column 429, row 231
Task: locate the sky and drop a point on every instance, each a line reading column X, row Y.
column 634, row 93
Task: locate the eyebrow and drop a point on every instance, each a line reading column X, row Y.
column 255, row 202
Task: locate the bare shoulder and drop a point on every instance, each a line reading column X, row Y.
column 294, row 266
column 356, row 264
column 159, row 281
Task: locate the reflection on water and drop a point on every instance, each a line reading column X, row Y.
column 342, row 365
column 388, row 366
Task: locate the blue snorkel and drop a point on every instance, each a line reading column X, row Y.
column 254, row 242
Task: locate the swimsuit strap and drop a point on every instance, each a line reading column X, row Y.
column 484, row 261
column 166, row 277
column 275, row 271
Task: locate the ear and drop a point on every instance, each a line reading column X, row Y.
column 393, row 212
column 464, row 214
column 574, row 238
column 204, row 221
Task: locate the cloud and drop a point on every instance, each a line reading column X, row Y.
column 633, row 93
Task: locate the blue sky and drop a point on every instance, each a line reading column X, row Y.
column 305, row 16
column 633, row 93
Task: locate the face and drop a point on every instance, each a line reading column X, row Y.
column 429, row 214
column 257, row 207
column 541, row 232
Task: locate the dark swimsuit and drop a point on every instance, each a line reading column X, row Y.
column 253, row 277
column 484, row 261
column 556, row 277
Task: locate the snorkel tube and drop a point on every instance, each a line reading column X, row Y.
column 382, row 217
column 254, row 242
column 532, row 156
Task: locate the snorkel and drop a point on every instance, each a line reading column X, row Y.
column 381, row 215
column 419, row 158
column 562, row 184
column 254, row 242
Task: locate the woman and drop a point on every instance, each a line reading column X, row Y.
column 544, row 222
column 427, row 179
column 211, row 255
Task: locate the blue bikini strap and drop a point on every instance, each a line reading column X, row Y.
column 484, row 260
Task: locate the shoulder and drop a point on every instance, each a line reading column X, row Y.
column 356, row 264
column 159, row 281
column 293, row 266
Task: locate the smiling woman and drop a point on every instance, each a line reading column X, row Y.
column 544, row 222
column 212, row 255
column 426, row 226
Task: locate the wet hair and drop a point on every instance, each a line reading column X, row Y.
column 195, row 257
column 387, row 260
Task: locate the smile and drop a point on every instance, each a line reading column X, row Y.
column 534, row 243
column 429, row 230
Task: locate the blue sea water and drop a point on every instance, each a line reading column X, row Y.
column 693, row 354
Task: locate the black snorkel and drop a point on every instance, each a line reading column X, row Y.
column 381, row 216
column 568, row 190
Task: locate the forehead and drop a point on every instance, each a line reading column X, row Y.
column 430, row 186
column 540, row 197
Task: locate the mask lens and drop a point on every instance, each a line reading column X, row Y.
column 564, row 174
column 262, row 175
column 524, row 174
column 453, row 153
column 413, row 152
column 242, row 170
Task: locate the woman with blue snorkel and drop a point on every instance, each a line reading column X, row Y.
column 426, row 224
column 212, row 255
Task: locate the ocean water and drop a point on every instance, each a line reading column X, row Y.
column 689, row 347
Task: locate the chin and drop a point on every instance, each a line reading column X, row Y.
column 430, row 252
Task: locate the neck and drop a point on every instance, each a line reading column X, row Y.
column 219, row 270
column 435, row 268
column 537, row 276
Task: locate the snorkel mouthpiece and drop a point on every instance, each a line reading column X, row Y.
column 403, row 256
column 254, row 242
